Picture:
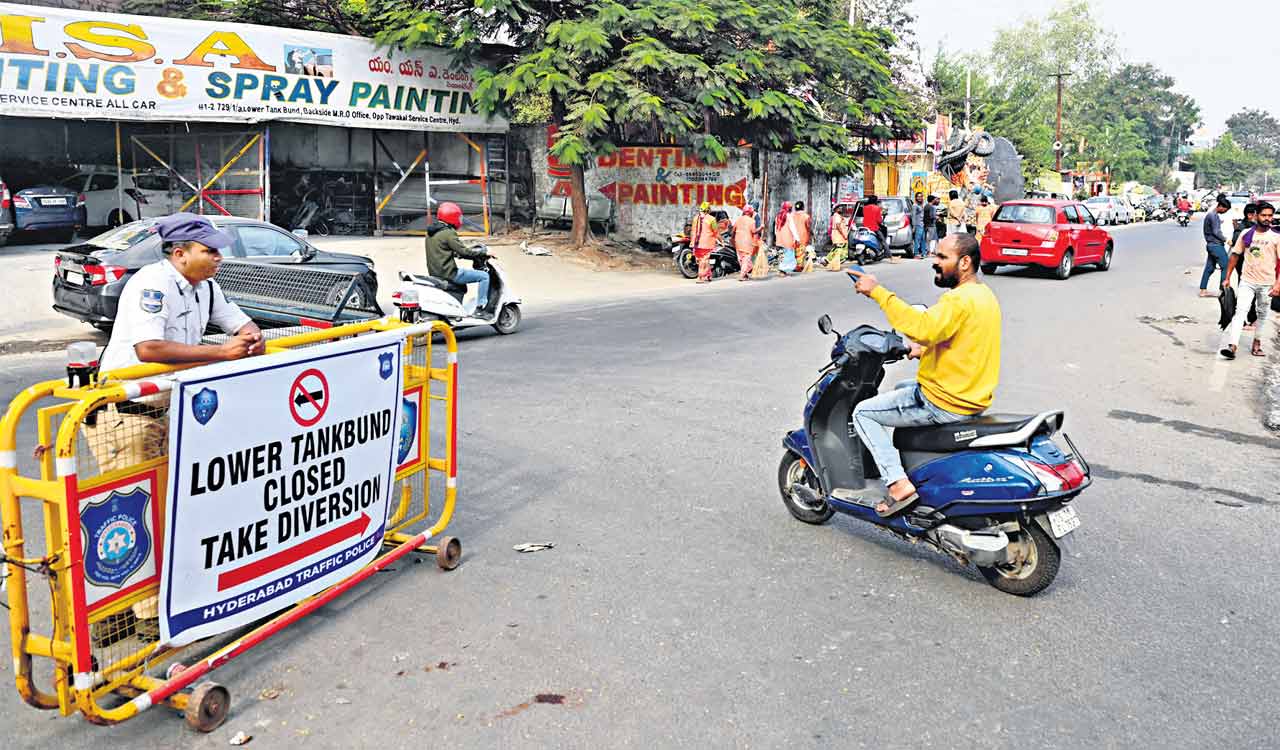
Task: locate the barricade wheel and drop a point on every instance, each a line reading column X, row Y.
column 448, row 553
column 208, row 706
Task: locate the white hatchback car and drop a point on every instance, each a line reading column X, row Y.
column 146, row 195
column 1108, row 209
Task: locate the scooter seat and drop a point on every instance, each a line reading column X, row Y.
column 959, row 436
column 438, row 283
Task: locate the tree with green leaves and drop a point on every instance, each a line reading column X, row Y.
column 1127, row 116
column 1224, row 164
column 704, row 74
column 1257, row 132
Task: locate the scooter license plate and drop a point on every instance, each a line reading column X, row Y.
column 1063, row 521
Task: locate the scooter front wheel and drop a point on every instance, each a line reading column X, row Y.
column 794, row 470
column 508, row 319
column 1039, row 559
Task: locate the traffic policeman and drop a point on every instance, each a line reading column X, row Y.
column 161, row 318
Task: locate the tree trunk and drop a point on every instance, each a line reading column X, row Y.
column 578, row 200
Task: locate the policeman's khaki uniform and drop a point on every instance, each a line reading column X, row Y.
column 158, row 304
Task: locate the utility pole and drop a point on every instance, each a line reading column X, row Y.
column 853, row 12
column 968, row 91
column 1057, row 140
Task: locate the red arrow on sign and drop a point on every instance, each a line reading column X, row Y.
column 293, row 554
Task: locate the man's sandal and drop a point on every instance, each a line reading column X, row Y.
column 895, row 507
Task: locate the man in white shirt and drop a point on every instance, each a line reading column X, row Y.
column 163, row 312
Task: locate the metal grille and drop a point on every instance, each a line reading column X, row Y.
column 290, row 289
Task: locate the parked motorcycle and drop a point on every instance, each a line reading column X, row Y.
column 426, row 297
column 723, row 260
column 994, row 491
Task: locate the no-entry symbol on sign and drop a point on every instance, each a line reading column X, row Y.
column 309, row 397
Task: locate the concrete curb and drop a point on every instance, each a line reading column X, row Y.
column 1271, row 387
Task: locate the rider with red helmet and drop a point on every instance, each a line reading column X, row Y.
column 443, row 246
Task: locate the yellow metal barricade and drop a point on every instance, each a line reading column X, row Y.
column 91, row 439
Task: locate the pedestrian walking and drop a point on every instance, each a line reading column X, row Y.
column 931, row 224
column 985, row 213
column 955, row 213
column 705, row 233
column 802, row 230
column 745, row 234
column 1250, row 218
column 1215, row 247
column 784, row 239
column 839, row 240
column 1259, row 250
column 161, row 318
column 918, row 235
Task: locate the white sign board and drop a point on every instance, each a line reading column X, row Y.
column 280, row 472
column 107, row 66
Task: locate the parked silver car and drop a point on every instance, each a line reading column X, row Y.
column 896, row 221
column 558, row 209
column 1109, row 209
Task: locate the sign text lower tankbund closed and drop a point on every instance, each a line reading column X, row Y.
column 280, row 472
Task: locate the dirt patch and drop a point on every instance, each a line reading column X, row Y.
column 598, row 254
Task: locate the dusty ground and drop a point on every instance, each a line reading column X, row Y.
column 602, row 271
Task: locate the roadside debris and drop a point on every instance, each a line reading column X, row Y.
column 533, row 546
column 241, row 738
column 528, row 249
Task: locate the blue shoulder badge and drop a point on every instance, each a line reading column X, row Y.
column 151, row 301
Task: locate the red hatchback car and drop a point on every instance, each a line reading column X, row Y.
column 1057, row 234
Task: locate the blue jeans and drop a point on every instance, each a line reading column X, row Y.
column 472, row 276
column 919, row 244
column 904, row 406
column 1216, row 256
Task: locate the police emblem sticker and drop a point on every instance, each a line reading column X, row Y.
column 152, row 300
column 408, row 429
column 116, row 538
column 203, row 405
column 385, row 365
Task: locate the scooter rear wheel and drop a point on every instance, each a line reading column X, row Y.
column 794, row 470
column 1039, row 566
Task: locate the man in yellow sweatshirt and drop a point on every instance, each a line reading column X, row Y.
column 958, row 344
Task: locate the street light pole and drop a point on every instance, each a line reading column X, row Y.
column 1058, row 138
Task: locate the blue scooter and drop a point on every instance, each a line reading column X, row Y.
column 994, row 491
column 865, row 247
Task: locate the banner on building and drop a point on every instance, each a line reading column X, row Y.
column 105, row 66
column 280, row 473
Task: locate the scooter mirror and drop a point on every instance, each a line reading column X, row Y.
column 824, row 324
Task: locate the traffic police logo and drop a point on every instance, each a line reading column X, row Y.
column 408, row 428
column 203, row 405
column 152, row 300
column 385, row 365
column 119, row 543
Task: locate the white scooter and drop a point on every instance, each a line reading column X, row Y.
column 426, row 297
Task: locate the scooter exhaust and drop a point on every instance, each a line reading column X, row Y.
column 984, row 548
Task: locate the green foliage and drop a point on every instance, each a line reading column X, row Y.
column 340, row 16
column 1258, row 133
column 1126, row 116
column 706, row 73
column 1224, row 164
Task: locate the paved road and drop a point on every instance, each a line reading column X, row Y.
column 683, row 607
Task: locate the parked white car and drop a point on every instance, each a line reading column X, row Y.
column 1109, row 209
column 146, row 195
